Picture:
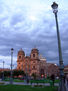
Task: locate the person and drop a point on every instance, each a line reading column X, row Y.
column 64, row 78
column 27, row 81
column 53, row 78
column 67, row 79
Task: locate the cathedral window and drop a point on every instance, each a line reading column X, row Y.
column 33, row 55
column 34, row 61
column 33, row 67
column 19, row 67
column 19, row 57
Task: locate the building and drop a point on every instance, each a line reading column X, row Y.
column 52, row 69
column 34, row 64
column 5, row 69
column 66, row 70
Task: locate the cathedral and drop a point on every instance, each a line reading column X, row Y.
column 33, row 64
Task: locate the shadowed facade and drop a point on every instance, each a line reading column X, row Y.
column 35, row 64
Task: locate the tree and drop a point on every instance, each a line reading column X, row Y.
column 6, row 73
column 0, row 74
column 18, row 72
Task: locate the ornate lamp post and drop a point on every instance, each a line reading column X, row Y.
column 11, row 79
column 61, row 65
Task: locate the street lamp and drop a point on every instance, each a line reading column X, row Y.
column 61, row 65
column 3, row 71
column 11, row 79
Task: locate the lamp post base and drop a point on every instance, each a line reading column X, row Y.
column 11, row 81
column 62, row 87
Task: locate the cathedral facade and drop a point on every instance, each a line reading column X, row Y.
column 33, row 64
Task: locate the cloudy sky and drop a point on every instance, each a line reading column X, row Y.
column 31, row 23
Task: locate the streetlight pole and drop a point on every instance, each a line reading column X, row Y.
column 11, row 78
column 3, row 70
column 61, row 65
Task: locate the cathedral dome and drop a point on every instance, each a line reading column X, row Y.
column 34, row 50
column 21, row 52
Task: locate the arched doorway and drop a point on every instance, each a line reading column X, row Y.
column 42, row 74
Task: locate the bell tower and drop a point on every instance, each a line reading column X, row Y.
column 34, row 53
column 20, row 59
column 34, row 61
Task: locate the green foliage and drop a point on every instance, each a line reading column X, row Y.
column 0, row 74
column 17, row 80
column 15, row 73
column 43, row 81
column 48, row 77
column 18, row 72
column 6, row 73
column 26, row 88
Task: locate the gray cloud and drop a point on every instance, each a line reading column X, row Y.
column 17, row 30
